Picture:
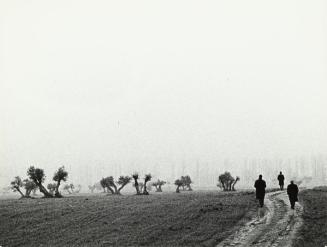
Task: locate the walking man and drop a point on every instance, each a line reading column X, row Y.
column 281, row 179
column 260, row 186
column 292, row 191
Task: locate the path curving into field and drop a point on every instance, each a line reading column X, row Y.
column 275, row 224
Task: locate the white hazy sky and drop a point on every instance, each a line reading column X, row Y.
column 98, row 83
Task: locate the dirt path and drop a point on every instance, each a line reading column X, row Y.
column 275, row 225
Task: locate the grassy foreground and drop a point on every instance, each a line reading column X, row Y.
column 314, row 229
column 165, row 219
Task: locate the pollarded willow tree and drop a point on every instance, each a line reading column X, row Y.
column 103, row 185
column 17, row 184
column 187, row 181
column 158, row 184
column 122, row 182
column 147, row 178
column 136, row 184
column 71, row 188
column 60, row 175
column 141, row 187
column 106, row 183
column 227, row 182
column 29, row 187
column 37, row 176
column 115, row 186
column 178, row 183
column 184, row 182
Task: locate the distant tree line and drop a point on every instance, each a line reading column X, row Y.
column 36, row 178
column 225, row 181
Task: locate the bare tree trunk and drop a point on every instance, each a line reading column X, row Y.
column 44, row 191
column 177, row 189
column 233, row 186
column 222, row 184
column 136, row 184
column 121, row 187
column 57, row 194
column 145, row 192
column 111, row 190
column 115, row 189
column 20, row 192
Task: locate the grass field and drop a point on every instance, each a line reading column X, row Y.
column 165, row 219
column 314, row 230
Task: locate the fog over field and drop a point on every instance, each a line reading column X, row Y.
column 163, row 87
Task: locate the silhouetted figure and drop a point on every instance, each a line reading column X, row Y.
column 260, row 186
column 281, row 179
column 292, row 191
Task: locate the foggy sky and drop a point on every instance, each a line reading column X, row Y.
column 119, row 86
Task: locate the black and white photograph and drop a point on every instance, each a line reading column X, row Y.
column 163, row 123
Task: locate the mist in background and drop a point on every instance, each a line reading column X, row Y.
column 163, row 87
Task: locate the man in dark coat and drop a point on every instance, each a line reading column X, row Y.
column 281, row 179
column 292, row 191
column 260, row 186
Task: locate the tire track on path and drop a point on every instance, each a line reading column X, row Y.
column 275, row 225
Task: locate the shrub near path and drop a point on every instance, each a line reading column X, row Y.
column 163, row 219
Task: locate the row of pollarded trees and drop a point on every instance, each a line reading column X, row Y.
column 102, row 185
column 110, row 185
column 115, row 187
column 35, row 180
column 225, row 181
